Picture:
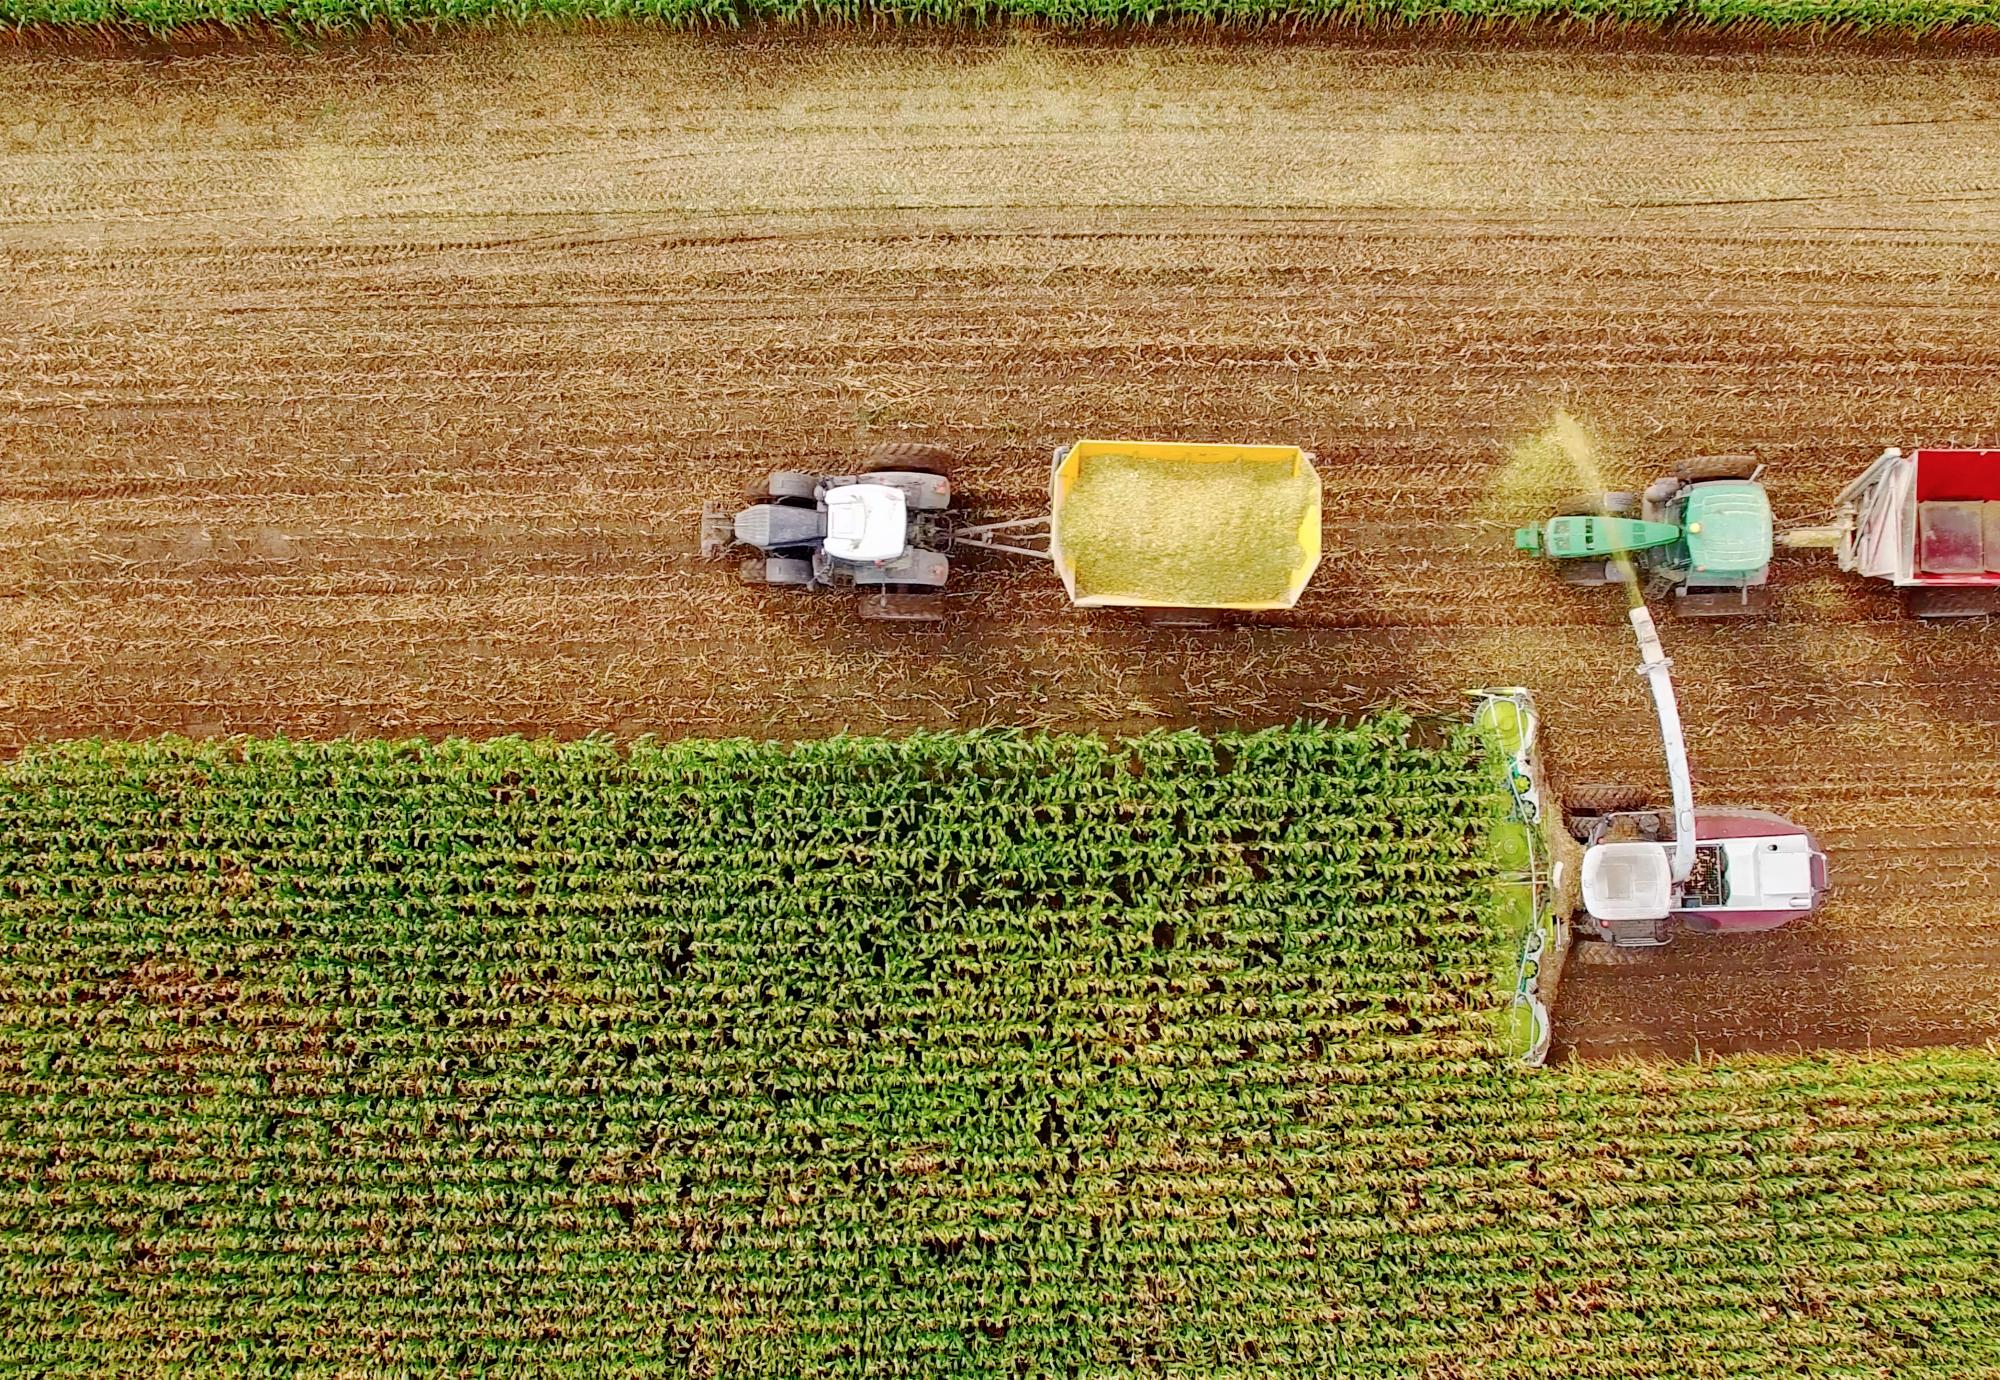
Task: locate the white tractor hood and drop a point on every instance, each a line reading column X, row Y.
column 1628, row 881
column 865, row 522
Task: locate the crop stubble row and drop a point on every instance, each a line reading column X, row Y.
column 330, row 412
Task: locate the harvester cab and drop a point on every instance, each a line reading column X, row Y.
column 1703, row 532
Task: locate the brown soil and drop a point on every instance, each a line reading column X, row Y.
column 378, row 391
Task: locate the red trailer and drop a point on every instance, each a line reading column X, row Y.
column 1929, row 521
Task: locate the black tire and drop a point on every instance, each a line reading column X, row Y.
column 793, row 486
column 1598, row 798
column 1581, row 505
column 1703, row 467
column 1590, row 574
column 791, row 572
column 909, row 455
column 1185, row 619
column 1725, row 603
column 902, row 604
column 1953, row 602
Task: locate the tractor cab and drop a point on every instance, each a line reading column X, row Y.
column 866, row 522
column 859, row 523
column 1726, row 525
column 1721, row 530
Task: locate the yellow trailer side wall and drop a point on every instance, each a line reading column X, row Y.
column 1064, row 477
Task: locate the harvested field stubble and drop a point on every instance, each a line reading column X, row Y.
column 326, row 409
column 1819, row 18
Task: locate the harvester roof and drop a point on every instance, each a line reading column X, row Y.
column 1728, row 526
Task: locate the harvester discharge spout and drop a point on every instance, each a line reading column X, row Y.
column 1657, row 668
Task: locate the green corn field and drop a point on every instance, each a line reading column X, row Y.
column 961, row 1055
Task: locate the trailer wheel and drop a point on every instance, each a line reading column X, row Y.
column 909, row 455
column 1597, row 798
column 1715, row 467
column 896, row 605
column 1953, row 602
column 1179, row 618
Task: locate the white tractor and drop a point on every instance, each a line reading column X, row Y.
column 883, row 532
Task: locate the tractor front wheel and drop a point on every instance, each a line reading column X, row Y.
column 910, row 455
column 896, row 605
column 793, row 486
column 1703, row 467
column 1724, row 603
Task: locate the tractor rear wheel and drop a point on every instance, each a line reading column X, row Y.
column 909, row 455
column 1715, row 467
column 896, row 605
column 1959, row 602
column 1605, row 799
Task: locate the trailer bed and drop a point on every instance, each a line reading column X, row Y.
column 1167, row 525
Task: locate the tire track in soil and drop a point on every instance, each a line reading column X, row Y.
column 331, row 408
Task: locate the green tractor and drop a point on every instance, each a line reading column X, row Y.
column 1703, row 532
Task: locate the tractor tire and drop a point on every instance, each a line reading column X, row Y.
column 1591, row 574
column 1620, row 502
column 897, row 605
column 793, row 485
column 777, row 570
column 1703, row 467
column 1603, row 799
column 1581, row 505
column 909, row 455
column 1959, row 602
column 789, row 571
column 1725, row 603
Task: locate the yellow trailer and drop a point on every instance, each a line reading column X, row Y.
column 1171, row 525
